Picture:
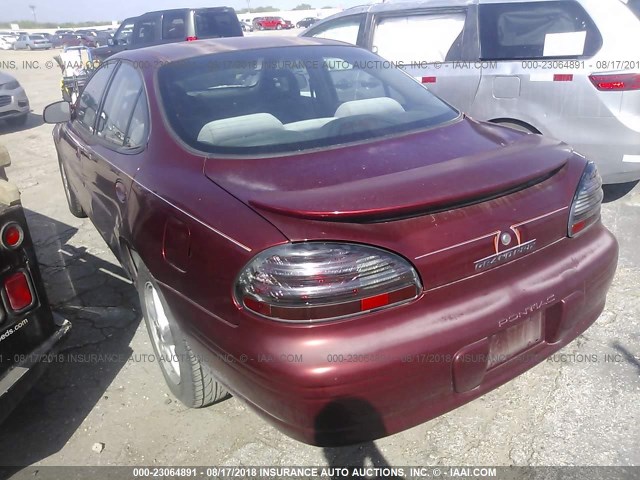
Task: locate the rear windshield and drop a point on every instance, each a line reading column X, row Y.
column 216, row 23
column 36, row 37
column 293, row 98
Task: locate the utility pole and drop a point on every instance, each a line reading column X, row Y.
column 33, row 10
column 248, row 6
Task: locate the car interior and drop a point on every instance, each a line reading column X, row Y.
column 294, row 106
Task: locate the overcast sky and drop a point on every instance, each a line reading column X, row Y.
column 85, row 10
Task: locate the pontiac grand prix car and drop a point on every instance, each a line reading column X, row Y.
column 326, row 239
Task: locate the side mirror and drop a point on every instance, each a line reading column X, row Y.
column 111, row 41
column 59, row 112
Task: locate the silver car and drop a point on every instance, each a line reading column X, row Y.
column 565, row 68
column 32, row 42
column 14, row 104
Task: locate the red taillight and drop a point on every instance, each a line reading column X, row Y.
column 585, row 208
column 428, row 79
column 12, row 235
column 18, row 291
column 314, row 281
column 616, row 81
column 191, row 39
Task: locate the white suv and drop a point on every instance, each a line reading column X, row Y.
column 565, row 68
column 14, row 104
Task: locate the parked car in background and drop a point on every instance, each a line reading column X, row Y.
column 269, row 23
column 285, row 205
column 73, row 40
column 102, row 37
column 306, row 22
column 168, row 26
column 246, row 25
column 565, row 68
column 47, row 36
column 288, row 24
column 62, row 31
column 6, row 42
column 14, row 104
column 32, row 42
column 29, row 331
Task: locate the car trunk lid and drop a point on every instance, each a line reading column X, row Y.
column 407, row 176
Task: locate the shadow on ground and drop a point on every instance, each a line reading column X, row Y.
column 616, row 191
column 33, row 120
column 103, row 307
column 356, row 419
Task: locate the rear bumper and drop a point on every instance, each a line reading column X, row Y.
column 20, row 377
column 361, row 379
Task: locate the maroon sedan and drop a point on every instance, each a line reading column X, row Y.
column 318, row 234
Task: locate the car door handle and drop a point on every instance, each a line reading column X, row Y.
column 121, row 192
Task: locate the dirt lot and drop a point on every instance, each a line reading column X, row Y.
column 580, row 407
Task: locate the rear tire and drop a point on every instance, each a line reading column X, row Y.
column 187, row 377
column 72, row 200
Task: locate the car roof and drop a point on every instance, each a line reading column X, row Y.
column 176, row 10
column 170, row 52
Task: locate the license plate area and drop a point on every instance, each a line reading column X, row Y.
column 505, row 345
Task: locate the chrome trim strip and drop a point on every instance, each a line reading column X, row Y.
column 197, row 305
column 227, row 237
column 516, row 225
column 458, row 245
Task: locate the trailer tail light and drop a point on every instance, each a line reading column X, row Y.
column 191, row 39
column 616, row 82
column 317, row 281
column 19, row 292
column 585, row 209
column 11, row 235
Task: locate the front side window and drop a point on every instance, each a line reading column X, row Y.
column 89, row 101
column 292, row 99
column 420, row 38
column 119, row 105
column 146, row 31
column 123, row 37
column 556, row 29
column 342, row 29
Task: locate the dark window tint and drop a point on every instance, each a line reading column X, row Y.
column 89, row 101
column 537, row 30
column 342, row 29
column 212, row 23
column 173, row 26
column 119, row 105
column 146, row 30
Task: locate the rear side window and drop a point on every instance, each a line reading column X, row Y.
column 420, row 38
column 173, row 26
column 119, row 106
column 212, row 24
column 553, row 29
column 89, row 101
column 344, row 29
